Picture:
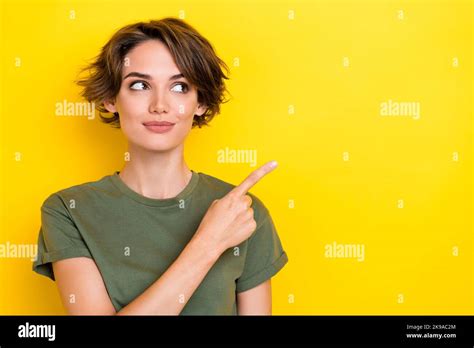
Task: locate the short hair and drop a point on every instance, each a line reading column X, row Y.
column 192, row 53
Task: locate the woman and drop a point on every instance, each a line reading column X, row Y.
column 157, row 237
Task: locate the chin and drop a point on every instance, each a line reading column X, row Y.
column 158, row 145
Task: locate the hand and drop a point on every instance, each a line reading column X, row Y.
column 230, row 220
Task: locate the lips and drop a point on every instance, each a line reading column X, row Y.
column 159, row 126
column 158, row 123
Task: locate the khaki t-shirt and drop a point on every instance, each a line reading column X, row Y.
column 134, row 239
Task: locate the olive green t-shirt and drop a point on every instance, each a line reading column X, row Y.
column 134, row 239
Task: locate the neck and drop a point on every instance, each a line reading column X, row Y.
column 158, row 175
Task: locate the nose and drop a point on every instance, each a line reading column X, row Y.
column 159, row 102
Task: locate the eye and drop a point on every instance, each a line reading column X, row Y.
column 180, row 88
column 138, row 85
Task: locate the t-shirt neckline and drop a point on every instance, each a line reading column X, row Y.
column 166, row 202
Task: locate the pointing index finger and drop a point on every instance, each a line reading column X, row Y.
column 254, row 177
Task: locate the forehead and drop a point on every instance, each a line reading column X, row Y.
column 150, row 57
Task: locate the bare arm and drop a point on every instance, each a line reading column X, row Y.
column 83, row 291
column 81, row 287
column 256, row 301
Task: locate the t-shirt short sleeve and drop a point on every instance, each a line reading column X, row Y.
column 58, row 237
column 265, row 256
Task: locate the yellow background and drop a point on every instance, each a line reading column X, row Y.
column 284, row 61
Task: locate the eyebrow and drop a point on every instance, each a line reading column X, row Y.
column 148, row 77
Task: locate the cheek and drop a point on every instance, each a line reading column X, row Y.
column 185, row 108
column 131, row 104
column 182, row 131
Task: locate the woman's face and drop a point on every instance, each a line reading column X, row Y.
column 153, row 90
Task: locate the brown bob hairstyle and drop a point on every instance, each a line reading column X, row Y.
column 192, row 53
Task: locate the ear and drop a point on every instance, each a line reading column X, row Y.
column 200, row 110
column 110, row 105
